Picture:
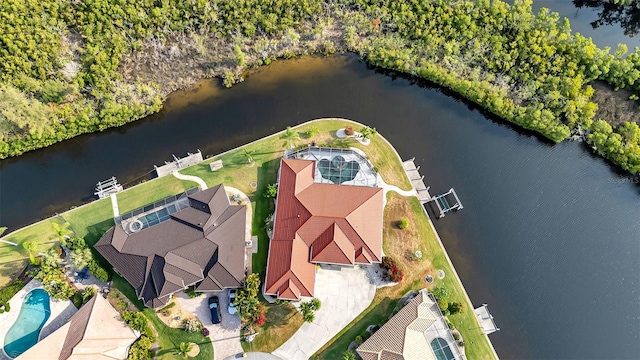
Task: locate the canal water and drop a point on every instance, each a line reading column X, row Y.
column 549, row 235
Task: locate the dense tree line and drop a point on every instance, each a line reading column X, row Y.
column 528, row 69
column 60, row 61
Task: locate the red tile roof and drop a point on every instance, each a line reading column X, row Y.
column 319, row 223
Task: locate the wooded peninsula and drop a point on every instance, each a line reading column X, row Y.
column 69, row 68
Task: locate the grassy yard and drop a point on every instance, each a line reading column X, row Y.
column 168, row 337
column 401, row 245
column 283, row 320
column 150, row 191
column 13, row 259
column 92, row 220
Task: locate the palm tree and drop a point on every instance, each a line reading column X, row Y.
column 312, row 132
column 290, row 135
column 248, row 154
column 88, row 293
column 184, row 349
column 30, row 246
column 81, row 257
column 368, row 133
column 61, row 230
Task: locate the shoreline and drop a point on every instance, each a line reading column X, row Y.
column 444, row 250
column 205, row 161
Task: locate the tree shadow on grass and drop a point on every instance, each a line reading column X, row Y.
column 267, row 174
column 279, row 315
column 95, row 231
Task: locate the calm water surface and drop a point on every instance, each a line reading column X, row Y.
column 549, row 235
column 610, row 33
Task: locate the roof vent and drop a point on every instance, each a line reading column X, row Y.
column 298, row 215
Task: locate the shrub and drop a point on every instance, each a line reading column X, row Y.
column 77, row 299
column 441, row 292
column 74, row 243
column 443, row 304
column 403, row 223
column 395, row 273
column 456, row 336
column 99, row 272
column 1, row 311
column 122, row 305
column 349, row 130
column 348, row 355
column 456, row 307
column 141, row 349
column 7, row 293
column 7, row 307
column 359, row 339
column 271, row 191
column 192, row 325
column 137, row 321
column 191, row 291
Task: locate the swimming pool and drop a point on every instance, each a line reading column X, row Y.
column 24, row 333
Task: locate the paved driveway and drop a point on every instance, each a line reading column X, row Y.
column 345, row 293
column 225, row 336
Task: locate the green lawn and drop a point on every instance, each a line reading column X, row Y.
column 92, row 220
column 397, row 243
column 282, row 321
column 150, row 191
column 169, row 338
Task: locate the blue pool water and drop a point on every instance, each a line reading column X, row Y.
column 24, row 333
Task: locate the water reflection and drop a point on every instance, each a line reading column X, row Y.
column 626, row 16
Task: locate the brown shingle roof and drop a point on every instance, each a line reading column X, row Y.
column 323, row 223
column 203, row 241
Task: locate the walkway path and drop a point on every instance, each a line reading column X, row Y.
column 386, row 188
column 201, row 183
column 114, row 205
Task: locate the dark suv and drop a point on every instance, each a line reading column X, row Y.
column 214, row 307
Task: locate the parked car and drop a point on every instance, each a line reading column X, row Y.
column 214, row 307
column 232, row 298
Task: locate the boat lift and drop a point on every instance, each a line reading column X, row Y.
column 443, row 204
column 107, row 187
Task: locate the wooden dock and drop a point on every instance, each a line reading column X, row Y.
column 417, row 180
column 178, row 163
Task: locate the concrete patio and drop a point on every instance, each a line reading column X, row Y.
column 345, row 292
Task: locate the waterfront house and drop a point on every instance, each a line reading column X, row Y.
column 196, row 239
column 321, row 220
column 96, row 331
column 417, row 332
